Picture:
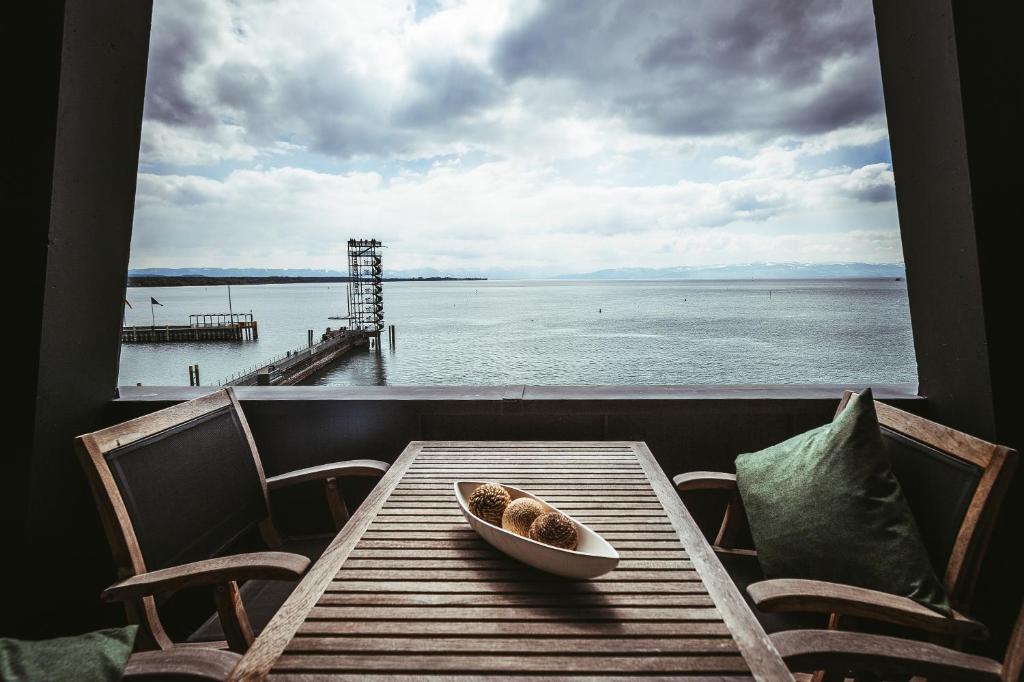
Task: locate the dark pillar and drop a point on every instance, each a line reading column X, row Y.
column 27, row 185
column 918, row 54
column 83, row 240
column 952, row 77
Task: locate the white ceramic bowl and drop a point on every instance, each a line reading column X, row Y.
column 592, row 557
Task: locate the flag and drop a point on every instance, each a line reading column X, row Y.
column 153, row 301
column 128, row 304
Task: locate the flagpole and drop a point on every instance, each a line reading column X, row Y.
column 152, row 312
column 231, row 310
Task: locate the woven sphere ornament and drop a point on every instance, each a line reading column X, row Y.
column 489, row 502
column 520, row 514
column 554, row 529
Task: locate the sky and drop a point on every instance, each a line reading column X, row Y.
column 541, row 137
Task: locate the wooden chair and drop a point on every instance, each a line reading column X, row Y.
column 954, row 484
column 192, row 663
column 177, row 490
column 874, row 656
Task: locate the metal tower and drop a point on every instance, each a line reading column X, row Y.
column 365, row 290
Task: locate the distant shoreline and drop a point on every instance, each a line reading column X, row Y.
column 140, row 281
column 200, row 280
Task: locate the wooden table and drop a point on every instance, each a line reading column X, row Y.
column 408, row 590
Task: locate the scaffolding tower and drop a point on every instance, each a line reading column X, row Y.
column 365, row 287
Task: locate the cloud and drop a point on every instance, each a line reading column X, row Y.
column 371, row 80
column 500, row 214
column 705, row 68
column 185, row 35
column 548, row 136
column 874, row 183
column 357, row 80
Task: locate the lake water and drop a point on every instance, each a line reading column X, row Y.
column 545, row 332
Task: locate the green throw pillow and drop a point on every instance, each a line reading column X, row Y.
column 99, row 656
column 825, row 505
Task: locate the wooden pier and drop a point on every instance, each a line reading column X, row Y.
column 201, row 327
column 301, row 363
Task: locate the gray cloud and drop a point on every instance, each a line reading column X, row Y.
column 184, row 33
column 701, row 68
column 875, row 195
column 761, row 68
column 449, row 90
column 208, row 68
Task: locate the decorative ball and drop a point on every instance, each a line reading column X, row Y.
column 489, row 502
column 519, row 514
column 554, row 529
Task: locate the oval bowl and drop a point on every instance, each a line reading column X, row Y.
column 592, row 557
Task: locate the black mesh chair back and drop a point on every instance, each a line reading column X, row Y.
column 938, row 488
column 178, row 485
column 192, row 489
column 954, row 484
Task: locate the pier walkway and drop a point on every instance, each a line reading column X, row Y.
column 296, row 365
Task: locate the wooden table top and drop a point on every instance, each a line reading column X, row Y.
column 408, row 590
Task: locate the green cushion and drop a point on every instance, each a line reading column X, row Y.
column 100, row 655
column 825, row 505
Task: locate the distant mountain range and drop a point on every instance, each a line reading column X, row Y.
column 752, row 271
column 743, row 271
column 234, row 272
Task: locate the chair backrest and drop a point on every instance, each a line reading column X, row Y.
column 178, row 485
column 1013, row 661
column 954, row 484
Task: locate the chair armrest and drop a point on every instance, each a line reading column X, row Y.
column 261, row 565
column 734, row 520
column 818, row 596
column 354, row 467
column 190, row 662
column 704, row 480
column 834, row 649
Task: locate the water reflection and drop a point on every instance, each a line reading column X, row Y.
column 378, row 370
column 362, row 368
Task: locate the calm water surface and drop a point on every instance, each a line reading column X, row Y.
column 530, row 332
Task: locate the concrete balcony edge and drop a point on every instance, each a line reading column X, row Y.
column 514, row 393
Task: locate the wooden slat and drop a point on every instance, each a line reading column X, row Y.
column 495, row 563
column 501, row 599
column 411, row 592
column 576, row 505
column 521, row 645
column 584, row 504
column 518, row 587
column 577, row 628
column 513, row 474
column 509, row 574
column 476, row 542
column 583, row 509
column 512, row 613
column 435, row 487
column 611, row 536
column 498, row 664
column 484, row 677
column 486, row 552
column 385, row 524
column 647, row 523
